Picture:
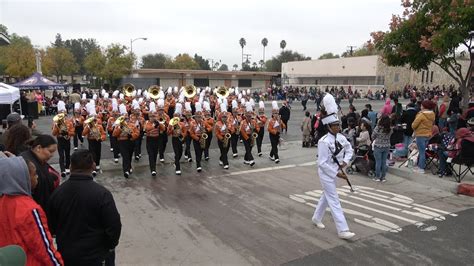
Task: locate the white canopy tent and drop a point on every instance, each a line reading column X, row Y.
column 9, row 95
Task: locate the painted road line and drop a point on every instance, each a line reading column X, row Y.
column 436, row 210
column 255, row 170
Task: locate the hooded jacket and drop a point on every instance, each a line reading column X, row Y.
column 22, row 221
column 423, row 123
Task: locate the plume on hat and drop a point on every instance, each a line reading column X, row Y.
column 61, row 106
column 261, row 105
column 123, row 109
column 330, row 104
column 187, row 106
column 114, row 105
column 234, row 104
column 77, row 106
column 274, row 105
column 161, row 103
column 178, row 109
column 198, row 107
column 223, row 106
column 152, row 107
column 248, row 107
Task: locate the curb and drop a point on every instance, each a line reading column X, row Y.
column 466, row 189
column 446, row 183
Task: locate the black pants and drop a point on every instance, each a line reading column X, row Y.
column 162, row 141
column 198, row 151
column 109, row 260
column 208, row 144
column 261, row 133
column 138, row 145
column 126, row 149
column 187, row 150
column 224, row 151
column 95, row 147
column 78, row 136
column 274, row 139
column 233, row 141
column 171, row 111
column 248, row 150
column 64, row 150
column 285, row 121
column 152, row 150
column 304, row 102
column 114, row 145
column 178, row 151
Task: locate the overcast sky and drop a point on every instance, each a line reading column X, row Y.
column 210, row 28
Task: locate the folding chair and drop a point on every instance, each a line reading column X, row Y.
column 464, row 159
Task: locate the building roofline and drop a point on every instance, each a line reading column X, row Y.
column 203, row 72
column 4, row 39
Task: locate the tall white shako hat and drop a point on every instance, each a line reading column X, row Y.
column 275, row 109
column 178, row 109
column 61, row 107
column 330, row 107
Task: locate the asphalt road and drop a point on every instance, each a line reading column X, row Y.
column 261, row 215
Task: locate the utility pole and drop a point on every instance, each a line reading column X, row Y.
column 247, row 58
column 351, row 49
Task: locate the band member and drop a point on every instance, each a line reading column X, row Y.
column 334, row 153
column 209, row 122
column 95, row 134
column 63, row 130
column 236, row 119
column 138, row 122
column 170, row 103
column 275, row 127
column 188, row 120
column 126, row 133
column 224, row 130
column 152, row 129
column 249, row 131
column 197, row 131
column 164, row 119
column 178, row 131
column 110, row 129
column 261, row 120
column 78, row 122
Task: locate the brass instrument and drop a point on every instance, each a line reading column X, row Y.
column 154, row 91
column 123, row 125
column 222, row 92
column 190, row 91
column 60, row 122
column 254, row 135
column 94, row 130
column 128, row 89
column 202, row 140
column 227, row 136
column 174, row 122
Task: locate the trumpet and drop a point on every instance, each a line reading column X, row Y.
column 190, row 91
column 154, row 91
column 128, row 89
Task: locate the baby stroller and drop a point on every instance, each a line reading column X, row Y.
column 363, row 162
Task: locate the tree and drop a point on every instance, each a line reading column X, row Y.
column 80, row 48
column 183, row 61
column 58, row 41
column 59, row 61
column 274, row 64
column 283, row 44
column 429, row 32
column 264, row 44
column 118, row 63
column 242, row 43
column 235, row 66
column 262, row 64
column 223, row 67
column 18, row 58
column 328, row 56
column 157, row 61
column 94, row 63
column 3, row 29
column 203, row 64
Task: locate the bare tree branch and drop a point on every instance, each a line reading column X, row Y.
column 447, row 71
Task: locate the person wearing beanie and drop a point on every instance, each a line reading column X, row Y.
column 63, row 130
column 275, row 127
column 95, row 134
column 422, row 126
column 261, row 121
column 126, row 133
column 224, row 128
column 178, row 133
column 248, row 128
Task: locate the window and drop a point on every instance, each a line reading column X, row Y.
column 431, row 79
column 157, row 82
column 423, row 77
column 201, row 82
column 245, row 83
column 396, row 77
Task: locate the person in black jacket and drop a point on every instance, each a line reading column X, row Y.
column 408, row 116
column 84, row 217
column 285, row 115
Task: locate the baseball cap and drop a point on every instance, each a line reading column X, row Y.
column 13, row 117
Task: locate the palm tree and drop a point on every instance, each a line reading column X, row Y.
column 242, row 43
column 264, row 43
column 261, row 63
column 283, row 44
column 235, row 66
column 254, row 65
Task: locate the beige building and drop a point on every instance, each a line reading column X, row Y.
column 143, row 78
column 362, row 72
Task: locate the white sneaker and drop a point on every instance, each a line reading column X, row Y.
column 226, row 167
column 419, row 170
column 246, row 162
column 162, row 160
column 75, row 148
column 131, row 170
column 116, row 160
column 252, row 163
column 185, row 157
column 346, row 235
column 178, row 172
column 318, row 223
column 271, row 158
column 221, row 163
column 199, row 169
column 234, row 155
column 190, row 160
column 126, row 174
column 277, row 160
column 153, row 173
column 260, row 154
column 111, row 149
column 68, row 171
column 94, row 173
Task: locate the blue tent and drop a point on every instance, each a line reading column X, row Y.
column 37, row 81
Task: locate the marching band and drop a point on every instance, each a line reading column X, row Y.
column 189, row 116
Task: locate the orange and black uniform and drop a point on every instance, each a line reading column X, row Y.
column 64, row 143
column 95, row 135
column 139, row 124
column 195, row 131
column 246, row 134
column 152, row 130
column 113, row 140
column 221, row 129
column 177, row 141
column 209, row 124
column 170, row 106
column 235, row 119
column 78, row 122
column 163, row 137
column 262, row 121
column 126, row 143
column 274, row 128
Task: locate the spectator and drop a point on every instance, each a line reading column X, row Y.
column 12, row 119
column 443, row 112
column 306, row 129
column 386, row 109
column 422, row 126
column 381, row 143
column 285, row 114
column 83, row 216
column 371, row 115
column 397, row 109
column 22, row 221
column 364, row 135
column 407, row 119
column 17, row 138
column 42, row 149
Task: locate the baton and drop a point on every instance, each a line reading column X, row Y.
column 342, row 171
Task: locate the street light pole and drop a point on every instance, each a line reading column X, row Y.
column 131, row 46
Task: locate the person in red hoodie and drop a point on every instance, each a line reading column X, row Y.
column 23, row 222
